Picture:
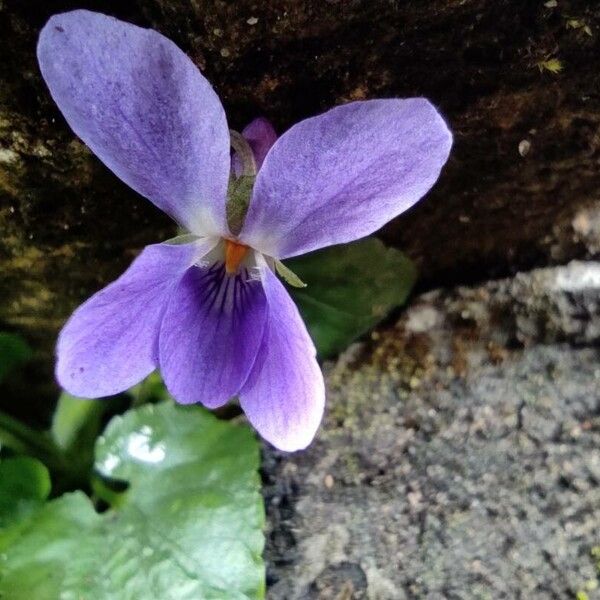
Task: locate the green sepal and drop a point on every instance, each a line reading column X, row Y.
column 238, row 200
column 185, row 238
column 289, row 275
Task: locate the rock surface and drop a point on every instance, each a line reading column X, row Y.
column 460, row 454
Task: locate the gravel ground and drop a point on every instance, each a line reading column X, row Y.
column 459, row 457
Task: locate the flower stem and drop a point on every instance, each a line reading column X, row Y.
column 24, row 439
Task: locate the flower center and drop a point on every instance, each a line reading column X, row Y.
column 234, row 255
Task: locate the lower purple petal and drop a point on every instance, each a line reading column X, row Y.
column 284, row 395
column 109, row 343
column 210, row 334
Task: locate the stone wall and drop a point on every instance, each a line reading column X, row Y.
column 520, row 189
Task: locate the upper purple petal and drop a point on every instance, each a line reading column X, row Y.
column 342, row 175
column 261, row 136
column 145, row 110
column 109, row 343
column 210, row 334
column 284, row 395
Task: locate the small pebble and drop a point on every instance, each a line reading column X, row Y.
column 252, row 21
column 524, row 147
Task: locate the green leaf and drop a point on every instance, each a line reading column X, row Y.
column 150, row 389
column 76, row 421
column 350, row 289
column 188, row 526
column 76, row 424
column 14, row 351
column 24, row 486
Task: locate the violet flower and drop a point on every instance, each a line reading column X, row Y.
column 209, row 310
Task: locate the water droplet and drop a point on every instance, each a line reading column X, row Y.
column 110, row 463
column 140, row 446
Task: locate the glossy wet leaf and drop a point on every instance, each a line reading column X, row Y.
column 24, row 486
column 350, row 288
column 188, row 526
column 14, row 351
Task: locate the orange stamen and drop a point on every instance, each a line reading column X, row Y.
column 234, row 255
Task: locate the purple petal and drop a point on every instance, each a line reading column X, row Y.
column 109, row 343
column 260, row 135
column 210, row 335
column 284, row 395
column 342, row 175
column 145, row 110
